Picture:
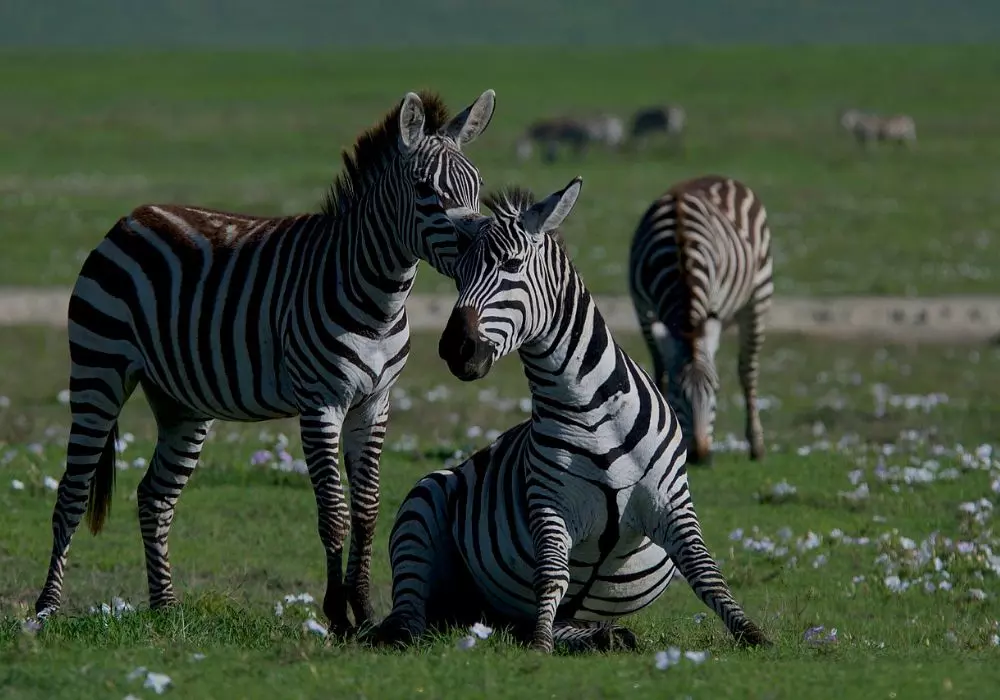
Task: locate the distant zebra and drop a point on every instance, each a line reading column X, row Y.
column 245, row 318
column 665, row 119
column 700, row 260
column 575, row 133
column 868, row 128
column 577, row 516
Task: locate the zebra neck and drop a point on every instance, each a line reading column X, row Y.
column 366, row 267
column 574, row 367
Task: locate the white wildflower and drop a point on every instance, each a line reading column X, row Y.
column 157, row 682
column 17, row 484
column 50, row 483
column 465, row 643
column 311, row 625
column 480, row 630
column 668, row 658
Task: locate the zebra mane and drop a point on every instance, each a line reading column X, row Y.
column 373, row 150
column 511, row 200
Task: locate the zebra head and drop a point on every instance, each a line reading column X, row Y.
column 692, row 385
column 443, row 176
column 507, row 280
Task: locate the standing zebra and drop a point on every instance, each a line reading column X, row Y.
column 701, row 259
column 869, row 128
column 575, row 133
column 666, row 119
column 577, row 516
column 242, row 318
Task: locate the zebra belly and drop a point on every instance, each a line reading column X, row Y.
column 630, row 577
column 634, row 575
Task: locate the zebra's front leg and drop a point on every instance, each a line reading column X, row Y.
column 552, row 544
column 678, row 532
column 364, row 435
column 321, row 444
column 751, row 338
column 178, row 448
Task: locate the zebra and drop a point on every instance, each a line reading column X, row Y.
column 243, row 318
column 575, row 517
column 576, row 133
column 701, row 259
column 668, row 119
column 868, row 128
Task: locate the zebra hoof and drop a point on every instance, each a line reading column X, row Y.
column 753, row 636
column 391, row 633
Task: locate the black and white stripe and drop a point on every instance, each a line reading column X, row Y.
column 243, row 318
column 701, row 260
column 576, row 517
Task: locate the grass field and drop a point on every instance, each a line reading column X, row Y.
column 906, row 422
column 87, row 136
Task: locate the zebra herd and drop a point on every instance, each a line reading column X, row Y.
column 608, row 130
column 565, row 523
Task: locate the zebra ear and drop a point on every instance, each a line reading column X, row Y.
column 411, row 123
column 472, row 121
column 547, row 215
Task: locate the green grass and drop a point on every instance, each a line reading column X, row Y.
column 245, row 537
column 87, row 136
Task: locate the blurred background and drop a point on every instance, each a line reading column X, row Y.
column 870, row 129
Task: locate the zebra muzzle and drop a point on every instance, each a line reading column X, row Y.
column 469, row 356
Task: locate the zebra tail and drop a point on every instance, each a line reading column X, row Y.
column 102, row 485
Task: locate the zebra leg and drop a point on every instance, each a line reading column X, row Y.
column 364, row 434
column 751, row 326
column 425, row 562
column 585, row 635
column 678, row 532
column 99, row 386
column 178, row 448
column 552, row 544
column 652, row 336
column 321, row 445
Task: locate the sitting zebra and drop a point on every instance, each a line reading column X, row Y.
column 247, row 318
column 581, row 514
column 700, row 260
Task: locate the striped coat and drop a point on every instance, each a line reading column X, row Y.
column 244, row 318
column 700, row 260
column 580, row 515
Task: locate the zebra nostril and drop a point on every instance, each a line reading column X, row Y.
column 467, row 350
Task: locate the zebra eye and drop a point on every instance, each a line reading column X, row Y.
column 512, row 264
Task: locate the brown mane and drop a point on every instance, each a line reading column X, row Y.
column 514, row 199
column 373, row 151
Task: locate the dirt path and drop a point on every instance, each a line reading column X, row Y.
column 925, row 319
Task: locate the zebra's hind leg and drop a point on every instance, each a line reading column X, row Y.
column 678, row 532
column 99, row 386
column 751, row 324
column 364, row 435
column 321, row 444
column 428, row 575
column 178, row 448
column 583, row 635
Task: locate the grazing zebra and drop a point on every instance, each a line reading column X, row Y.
column 244, row 318
column 701, row 259
column 869, row 128
column 577, row 516
column 575, row 133
column 666, row 119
